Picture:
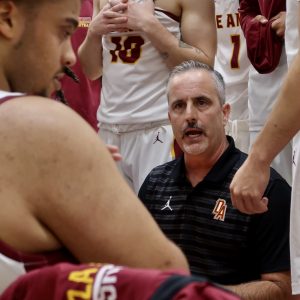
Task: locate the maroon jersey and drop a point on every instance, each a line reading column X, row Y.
column 263, row 45
column 32, row 261
column 83, row 97
column 109, row 282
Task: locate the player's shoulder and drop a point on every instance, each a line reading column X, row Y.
column 39, row 117
column 35, row 109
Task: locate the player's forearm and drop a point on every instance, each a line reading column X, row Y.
column 173, row 50
column 261, row 290
column 283, row 122
column 90, row 56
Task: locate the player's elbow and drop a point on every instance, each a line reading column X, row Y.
column 91, row 72
column 93, row 76
column 175, row 259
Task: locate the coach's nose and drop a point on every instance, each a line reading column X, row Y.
column 190, row 111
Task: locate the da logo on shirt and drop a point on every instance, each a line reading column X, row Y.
column 220, row 210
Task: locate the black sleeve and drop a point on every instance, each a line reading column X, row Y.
column 270, row 234
column 144, row 189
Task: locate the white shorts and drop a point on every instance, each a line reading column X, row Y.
column 239, row 130
column 282, row 163
column 295, row 218
column 263, row 90
column 142, row 149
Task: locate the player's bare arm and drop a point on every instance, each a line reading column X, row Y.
column 106, row 18
column 197, row 28
column 63, row 183
column 283, row 123
column 272, row 286
column 247, row 188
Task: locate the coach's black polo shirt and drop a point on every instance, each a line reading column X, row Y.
column 221, row 243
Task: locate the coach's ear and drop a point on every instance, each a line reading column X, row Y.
column 226, row 113
column 11, row 20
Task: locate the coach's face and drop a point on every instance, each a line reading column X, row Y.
column 196, row 115
column 41, row 45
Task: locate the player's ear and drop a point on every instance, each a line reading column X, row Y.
column 10, row 19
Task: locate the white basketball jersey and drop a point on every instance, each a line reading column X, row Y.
column 135, row 77
column 291, row 30
column 292, row 46
column 231, row 58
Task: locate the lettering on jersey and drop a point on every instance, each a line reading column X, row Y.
column 86, row 277
column 228, row 21
column 84, row 22
column 128, row 50
column 105, row 283
column 220, row 210
column 235, row 57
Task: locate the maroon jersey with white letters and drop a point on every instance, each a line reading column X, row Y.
column 109, row 282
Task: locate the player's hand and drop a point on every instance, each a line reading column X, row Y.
column 261, row 19
column 110, row 18
column 248, row 186
column 138, row 12
column 116, row 2
column 114, row 151
column 278, row 23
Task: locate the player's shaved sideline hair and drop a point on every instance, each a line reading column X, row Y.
column 193, row 65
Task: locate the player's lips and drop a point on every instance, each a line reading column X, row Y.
column 57, row 81
column 59, row 76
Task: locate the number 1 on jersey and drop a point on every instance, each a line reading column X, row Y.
column 236, row 41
